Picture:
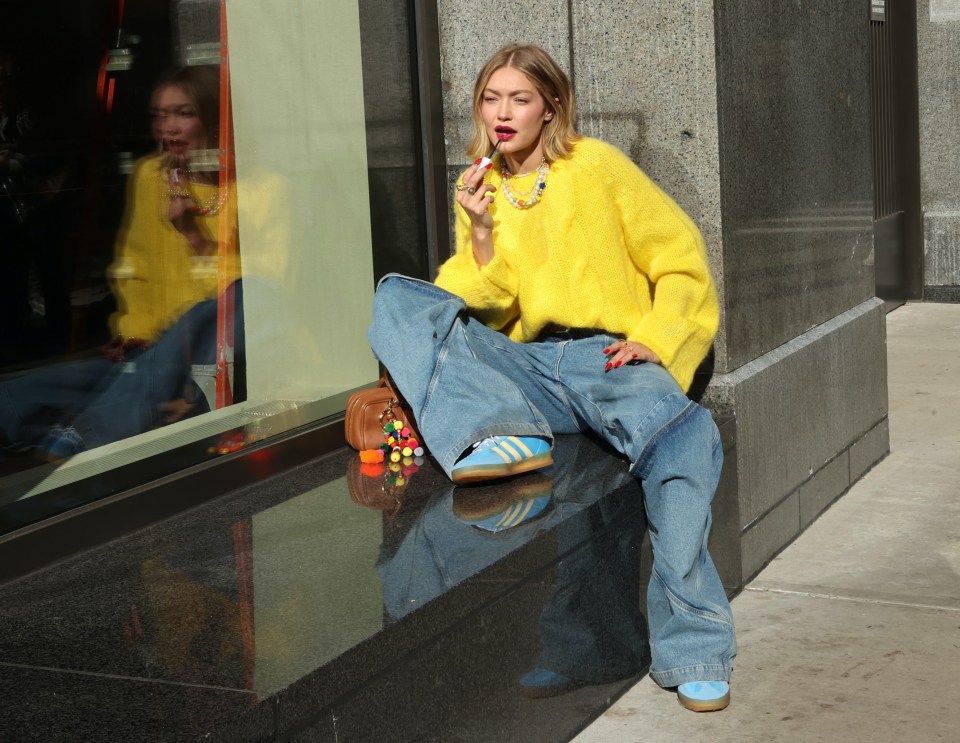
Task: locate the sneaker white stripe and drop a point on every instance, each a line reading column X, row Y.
column 520, row 445
column 502, row 455
column 505, row 445
column 520, row 512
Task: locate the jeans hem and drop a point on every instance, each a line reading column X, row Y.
column 685, row 674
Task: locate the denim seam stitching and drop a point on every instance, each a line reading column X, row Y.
column 562, row 390
column 710, row 614
column 666, row 428
column 599, row 410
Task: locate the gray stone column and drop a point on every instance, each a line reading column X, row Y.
column 754, row 117
column 938, row 47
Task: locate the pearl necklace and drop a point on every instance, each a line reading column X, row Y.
column 524, row 199
column 176, row 177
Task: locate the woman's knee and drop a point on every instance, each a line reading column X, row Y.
column 688, row 441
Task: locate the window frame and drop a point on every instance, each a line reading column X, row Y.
column 153, row 489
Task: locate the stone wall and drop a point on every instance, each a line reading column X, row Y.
column 938, row 42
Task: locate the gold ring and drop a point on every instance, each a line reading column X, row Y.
column 460, row 187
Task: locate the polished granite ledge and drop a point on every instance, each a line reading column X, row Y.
column 336, row 602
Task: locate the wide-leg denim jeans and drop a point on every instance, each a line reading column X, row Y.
column 465, row 382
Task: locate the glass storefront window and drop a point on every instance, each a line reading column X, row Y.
column 198, row 196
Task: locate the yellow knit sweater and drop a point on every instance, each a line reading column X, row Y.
column 155, row 275
column 603, row 248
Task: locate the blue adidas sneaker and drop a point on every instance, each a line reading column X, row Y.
column 502, row 456
column 704, row 696
column 61, row 442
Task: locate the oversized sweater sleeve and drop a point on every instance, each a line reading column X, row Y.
column 490, row 291
column 665, row 244
column 129, row 273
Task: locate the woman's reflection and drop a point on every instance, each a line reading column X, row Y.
column 591, row 629
column 168, row 265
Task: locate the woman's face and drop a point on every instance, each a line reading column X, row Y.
column 175, row 121
column 514, row 113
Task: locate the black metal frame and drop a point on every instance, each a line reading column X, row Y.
column 434, row 153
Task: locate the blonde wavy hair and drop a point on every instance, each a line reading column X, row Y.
column 550, row 81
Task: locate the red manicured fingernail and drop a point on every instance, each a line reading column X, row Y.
column 489, row 165
column 619, row 363
column 477, row 161
column 636, row 356
column 607, row 367
column 606, row 351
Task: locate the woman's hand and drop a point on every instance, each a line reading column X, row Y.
column 474, row 196
column 180, row 208
column 181, row 215
column 182, row 212
column 628, row 352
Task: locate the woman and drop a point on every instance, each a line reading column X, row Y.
column 167, row 251
column 579, row 299
column 165, row 277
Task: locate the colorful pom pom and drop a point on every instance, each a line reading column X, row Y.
column 371, row 470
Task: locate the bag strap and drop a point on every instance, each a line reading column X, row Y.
column 397, row 400
column 386, row 381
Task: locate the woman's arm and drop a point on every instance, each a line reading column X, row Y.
column 129, row 272
column 664, row 243
column 477, row 272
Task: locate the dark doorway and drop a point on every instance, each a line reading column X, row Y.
column 898, row 222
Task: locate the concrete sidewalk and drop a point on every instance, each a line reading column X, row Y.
column 853, row 632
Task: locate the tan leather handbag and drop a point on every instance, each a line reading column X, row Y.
column 368, row 410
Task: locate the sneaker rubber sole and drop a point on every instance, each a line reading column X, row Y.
column 694, row 704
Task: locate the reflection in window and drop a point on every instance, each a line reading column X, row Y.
column 156, row 331
column 186, row 226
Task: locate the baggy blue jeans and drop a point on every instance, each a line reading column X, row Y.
column 106, row 401
column 465, row 382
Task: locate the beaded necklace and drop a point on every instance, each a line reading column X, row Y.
column 175, row 179
column 524, row 199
